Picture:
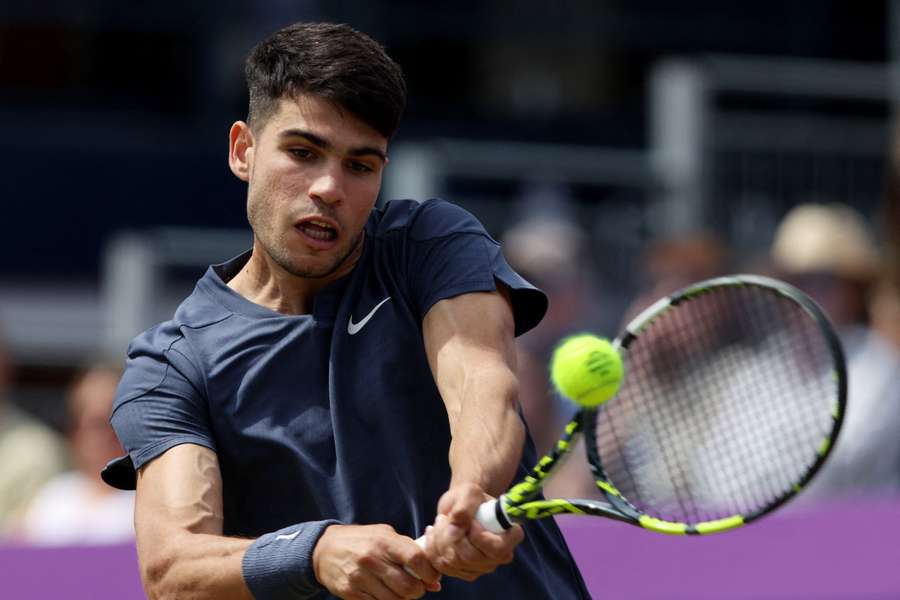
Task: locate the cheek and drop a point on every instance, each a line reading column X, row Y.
column 364, row 194
column 270, row 191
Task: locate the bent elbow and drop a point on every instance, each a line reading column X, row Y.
column 156, row 577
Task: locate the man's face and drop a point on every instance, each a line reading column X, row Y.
column 314, row 172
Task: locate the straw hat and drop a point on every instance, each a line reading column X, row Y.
column 820, row 238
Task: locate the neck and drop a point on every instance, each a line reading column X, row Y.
column 265, row 282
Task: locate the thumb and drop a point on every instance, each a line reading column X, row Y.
column 465, row 502
column 459, row 504
column 454, row 531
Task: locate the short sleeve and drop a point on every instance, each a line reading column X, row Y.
column 451, row 254
column 159, row 403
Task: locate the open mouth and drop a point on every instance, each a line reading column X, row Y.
column 318, row 230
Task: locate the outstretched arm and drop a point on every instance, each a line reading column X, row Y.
column 178, row 521
column 183, row 554
column 470, row 344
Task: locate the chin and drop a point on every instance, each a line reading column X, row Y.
column 310, row 269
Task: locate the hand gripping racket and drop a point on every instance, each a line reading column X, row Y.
column 733, row 396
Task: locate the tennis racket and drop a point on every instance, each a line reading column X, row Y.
column 733, row 396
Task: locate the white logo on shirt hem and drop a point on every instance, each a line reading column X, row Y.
column 354, row 328
column 287, row 536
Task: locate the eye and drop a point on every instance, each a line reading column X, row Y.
column 359, row 167
column 302, row 153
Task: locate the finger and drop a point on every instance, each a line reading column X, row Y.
column 498, row 547
column 461, row 502
column 401, row 583
column 363, row 582
column 437, row 538
column 456, row 526
column 465, row 504
column 407, row 554
column 431, row 543
column 455, row 518
column 449, row 564
column 468, row 554
column 422, row 568
column 446, row 502
column 442, row 541
column 460, row 560
column 466, row 574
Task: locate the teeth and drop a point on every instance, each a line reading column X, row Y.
column 319, row 235
column 319, row 230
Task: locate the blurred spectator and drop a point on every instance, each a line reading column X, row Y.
column 866, row 458
column 77, row 507
column 30, row 454
column 829, row 252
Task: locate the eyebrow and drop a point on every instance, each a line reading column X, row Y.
column 326, row 145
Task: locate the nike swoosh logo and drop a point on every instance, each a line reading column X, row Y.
column 287, row 536
column 353, row 328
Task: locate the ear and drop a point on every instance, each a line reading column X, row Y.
column 240, row 150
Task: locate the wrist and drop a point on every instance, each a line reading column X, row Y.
column 280, row 564
column 321, row 548
column 491, row 482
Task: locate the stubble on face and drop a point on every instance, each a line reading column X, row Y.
column 277, row 200
column 273, row 242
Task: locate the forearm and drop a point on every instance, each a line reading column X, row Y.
column 278, row 564
column 488, row 434
column 178, row 521
column 486, row 448
column 469, row 340
column 194, row 566
column 179, row 517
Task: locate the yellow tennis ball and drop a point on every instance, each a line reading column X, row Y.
column 586, row 369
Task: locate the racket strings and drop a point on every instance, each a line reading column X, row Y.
column 726, row 400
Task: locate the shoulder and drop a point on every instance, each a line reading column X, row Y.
column 163, row 352
column 422, row 221
column 207, row 305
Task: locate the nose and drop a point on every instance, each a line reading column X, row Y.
column 327, row 186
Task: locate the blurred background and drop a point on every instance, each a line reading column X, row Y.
column 619, row 150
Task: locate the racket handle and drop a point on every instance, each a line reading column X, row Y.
column 486, row 515
column 422, row 541
column 492, row 516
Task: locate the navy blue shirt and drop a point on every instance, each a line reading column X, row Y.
column 334, row 414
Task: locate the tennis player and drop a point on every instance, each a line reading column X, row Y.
column 320, row 400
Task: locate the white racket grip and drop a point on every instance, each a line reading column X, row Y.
column 422, row 541
column 486, row 515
